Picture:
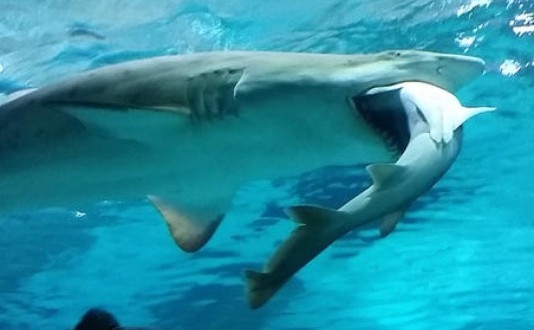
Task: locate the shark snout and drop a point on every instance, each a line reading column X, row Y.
column 459, row 70
column 448, row 71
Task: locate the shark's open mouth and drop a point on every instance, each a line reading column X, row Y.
column 382, row 109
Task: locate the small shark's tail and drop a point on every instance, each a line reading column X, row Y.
column 317, row 228
column 97, row 319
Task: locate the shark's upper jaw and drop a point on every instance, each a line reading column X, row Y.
column 447, row 71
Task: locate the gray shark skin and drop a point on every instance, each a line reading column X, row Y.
column 186, row 131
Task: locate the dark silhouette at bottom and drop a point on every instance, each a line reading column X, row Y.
column 100, row 319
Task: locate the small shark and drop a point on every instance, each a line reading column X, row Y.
column 187, row 130
column 431, row 120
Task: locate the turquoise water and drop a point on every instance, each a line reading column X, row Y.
column 461, row 259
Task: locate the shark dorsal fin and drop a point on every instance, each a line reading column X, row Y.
column 382, row 173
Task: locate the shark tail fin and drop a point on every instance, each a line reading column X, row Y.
column 317, row 228
column 260, row 287
column 189, row 229
column 97, row 319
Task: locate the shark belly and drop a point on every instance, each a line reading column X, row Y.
column 129, row 154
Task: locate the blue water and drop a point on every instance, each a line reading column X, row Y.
column 461, row 259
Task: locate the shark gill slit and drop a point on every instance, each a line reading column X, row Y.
column 385, row 113
column 211, row 95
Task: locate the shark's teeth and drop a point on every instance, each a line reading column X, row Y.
column 385, row 114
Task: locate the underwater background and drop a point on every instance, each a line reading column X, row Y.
column 462, row 258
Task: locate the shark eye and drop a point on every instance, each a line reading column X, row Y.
column 439, row 70
column 394, row 53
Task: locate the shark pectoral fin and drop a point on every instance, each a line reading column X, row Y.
column 317, row 228
column 189, row 230
column 382, row 173
column 476, row 110
column 389, row 222
column 451, row 122
column 466, row 112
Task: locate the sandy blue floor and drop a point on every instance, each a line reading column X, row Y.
column 461, row 259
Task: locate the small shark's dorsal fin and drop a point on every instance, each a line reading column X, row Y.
column 389, row 222
column 189, row 230
column 382, row 173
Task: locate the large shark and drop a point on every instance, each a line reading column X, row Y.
column 186, row 131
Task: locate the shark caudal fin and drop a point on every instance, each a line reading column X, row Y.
column 317, row 228
column 190, row 230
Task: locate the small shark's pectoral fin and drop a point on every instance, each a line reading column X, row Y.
column 189, row 230
column 449, row 123
column 389, row 222
column 468, row 112
column 382, row 173
column 317, row 228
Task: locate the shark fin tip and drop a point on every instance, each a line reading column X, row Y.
column 389, row 222
column 189, row 233
column 260, row 288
